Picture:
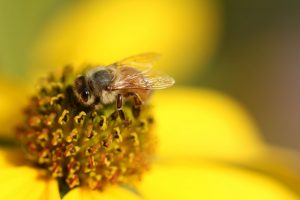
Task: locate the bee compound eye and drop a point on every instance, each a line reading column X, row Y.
column 85, row 95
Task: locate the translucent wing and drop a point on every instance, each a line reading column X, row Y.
column 141, row 62
column 153, row 79
column 136, row 72
column 147, row 79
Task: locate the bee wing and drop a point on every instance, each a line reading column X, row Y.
column 147, row 79
column 141, row 62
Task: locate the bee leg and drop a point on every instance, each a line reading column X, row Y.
column 96, row 105
column 137, row 99
column 119, row 102
column 136, row 108
column 92, row 107
column 119, row 107
column 122, row 115
column 136, row 111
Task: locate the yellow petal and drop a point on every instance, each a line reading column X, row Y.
column 26, row 183
column 51, row 192
column 209, row 181
column 11, row 158
column 13, row 97
column 186, row 33
column 18, row 181
column 193, row 123
column 108, row 194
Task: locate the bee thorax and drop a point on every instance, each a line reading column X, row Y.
column 108, row 97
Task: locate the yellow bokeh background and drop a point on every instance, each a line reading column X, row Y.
column 186, row 33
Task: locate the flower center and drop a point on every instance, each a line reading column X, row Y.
column 81, row 145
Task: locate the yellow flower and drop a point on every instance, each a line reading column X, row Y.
column 208, row 149
column 209, row 146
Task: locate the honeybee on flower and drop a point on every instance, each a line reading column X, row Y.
column 132, row 76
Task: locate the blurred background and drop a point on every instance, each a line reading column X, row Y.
column 246, row 49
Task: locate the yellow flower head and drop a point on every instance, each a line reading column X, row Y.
column 82, row 145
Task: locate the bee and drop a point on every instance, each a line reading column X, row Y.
column 130, row 77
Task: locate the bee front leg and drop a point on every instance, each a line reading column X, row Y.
column 96, row 105
column 119, row 107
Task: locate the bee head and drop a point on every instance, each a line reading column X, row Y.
column 82, row 91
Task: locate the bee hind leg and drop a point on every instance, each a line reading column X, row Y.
column 136, row 108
